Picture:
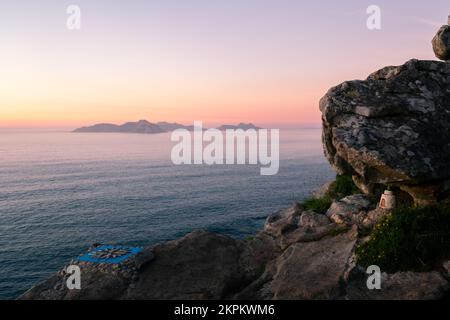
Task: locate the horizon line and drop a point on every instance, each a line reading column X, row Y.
column 65, row 128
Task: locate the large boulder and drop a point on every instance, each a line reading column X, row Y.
column 313, row 270
column 348, row 209
column 441, row 43
column 392, row 129
column 200, row 265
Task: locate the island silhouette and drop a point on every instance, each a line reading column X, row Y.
column 146, row 127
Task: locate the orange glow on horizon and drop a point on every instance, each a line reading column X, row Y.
column 108, row 103
column 215, row 62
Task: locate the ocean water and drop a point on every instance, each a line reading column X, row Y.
column 60, row 192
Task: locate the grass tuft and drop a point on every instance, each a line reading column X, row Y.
column 342, row 187
column 318, row 205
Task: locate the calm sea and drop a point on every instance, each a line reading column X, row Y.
column 61, row 192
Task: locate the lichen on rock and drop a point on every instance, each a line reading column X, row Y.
column 392, row 130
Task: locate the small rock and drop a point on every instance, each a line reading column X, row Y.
column 312, row 219
column 441, row 43
column 282, row 221
column 345, row 210
column 322, row 191
column 305, row 235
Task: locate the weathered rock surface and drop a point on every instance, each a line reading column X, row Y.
column 401, row 286
column 310, row 219
column 441, row 43
column 349, row 209
column 201, row 265
column 323, row 190
column 188, row 269
column 392, row 129
column 299, row 255
column 313, row 270
column 295, row 225
column 282, row 221
column 99, row 282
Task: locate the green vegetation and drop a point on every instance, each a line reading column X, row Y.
column 409, row 239
column 343, row 186
column 338, row 231
column 319, row 205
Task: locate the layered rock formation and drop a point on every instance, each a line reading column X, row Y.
column 392, row 129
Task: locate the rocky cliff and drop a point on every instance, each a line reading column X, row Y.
column 299, row 255
column 392, row 129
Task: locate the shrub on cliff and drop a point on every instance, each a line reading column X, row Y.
column 342, row 187
column 409, row 239
column 318, row 205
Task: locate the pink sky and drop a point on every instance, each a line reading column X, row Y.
column 266, row 62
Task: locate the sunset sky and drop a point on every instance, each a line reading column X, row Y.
column 219, row 61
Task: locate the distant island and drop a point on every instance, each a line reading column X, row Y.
column 244, row 126
column 144, row 126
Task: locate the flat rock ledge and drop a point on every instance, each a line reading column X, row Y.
column 298, row 255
